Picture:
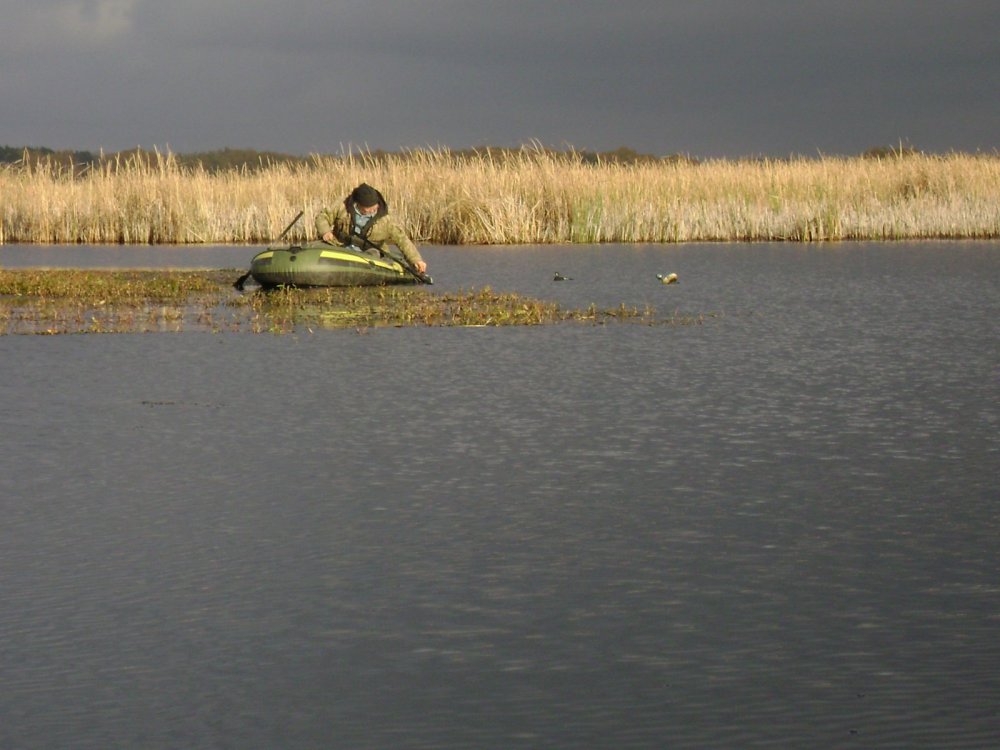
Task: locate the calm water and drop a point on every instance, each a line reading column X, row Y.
column 775, row 529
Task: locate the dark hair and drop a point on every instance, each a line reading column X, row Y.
column 365, row 195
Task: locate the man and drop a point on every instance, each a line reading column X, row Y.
column 362, row 221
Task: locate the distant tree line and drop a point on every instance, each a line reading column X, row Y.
column 250, row 160
column 212, row 161
column 13, row 155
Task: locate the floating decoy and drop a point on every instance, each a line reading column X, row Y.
column 670, row 278
column 560, row 277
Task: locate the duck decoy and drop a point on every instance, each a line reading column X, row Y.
column 560, row 277
column 670, row 278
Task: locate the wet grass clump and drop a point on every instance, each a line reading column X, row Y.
column 102, row 286
column 102, row 301
column 399, row 306
column 140, row 301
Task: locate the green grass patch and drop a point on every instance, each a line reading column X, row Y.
column 143, row 301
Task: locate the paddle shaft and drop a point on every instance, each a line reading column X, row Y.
column 423, row 278
column 288, row 228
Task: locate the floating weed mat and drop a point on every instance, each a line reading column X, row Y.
column 140, row 301
column 97, row 286
column 362, row 307
column 100, row 301
column 284, row 310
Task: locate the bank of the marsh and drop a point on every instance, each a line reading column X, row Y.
column 139, row 301
column 530, row 197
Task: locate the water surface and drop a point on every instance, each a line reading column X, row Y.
column 777, row 528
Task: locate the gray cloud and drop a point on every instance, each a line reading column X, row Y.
column 710, row 78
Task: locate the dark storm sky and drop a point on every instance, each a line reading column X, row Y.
column 703, row 77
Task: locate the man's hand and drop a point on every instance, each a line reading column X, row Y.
column 421, row 266
column 328, row 237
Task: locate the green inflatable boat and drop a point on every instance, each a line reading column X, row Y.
column 322, row 264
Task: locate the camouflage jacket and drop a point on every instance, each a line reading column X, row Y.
column 382, row 230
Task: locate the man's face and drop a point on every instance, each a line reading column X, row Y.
column 367, row 210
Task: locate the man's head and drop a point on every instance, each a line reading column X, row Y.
column 365, row 197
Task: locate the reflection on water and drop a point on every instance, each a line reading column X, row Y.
column 774, row 529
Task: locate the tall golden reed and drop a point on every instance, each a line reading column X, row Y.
column 532, row 196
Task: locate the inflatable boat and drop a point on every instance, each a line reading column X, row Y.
column 323, row 264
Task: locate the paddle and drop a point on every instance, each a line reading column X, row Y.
column 423, row 278
column 238, row 284
column 401, row 259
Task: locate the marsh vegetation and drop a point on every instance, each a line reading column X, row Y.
column 142, row 301
column 527, row 196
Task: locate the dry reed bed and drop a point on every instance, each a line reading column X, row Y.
column 532, row 197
